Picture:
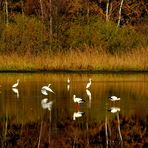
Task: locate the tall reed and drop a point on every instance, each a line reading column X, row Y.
column 90, row 59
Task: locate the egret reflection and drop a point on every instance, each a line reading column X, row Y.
column 78, row 114
column 114, row 98
column 46, row 105
column 68, row 84
column 15, row 90
column 114, row 109
column 89, row 97
column 68, row 87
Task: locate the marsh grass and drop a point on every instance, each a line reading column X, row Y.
column 75, row 60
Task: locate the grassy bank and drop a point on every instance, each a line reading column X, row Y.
column 76, row 60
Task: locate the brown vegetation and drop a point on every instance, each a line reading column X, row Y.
column 74, row 60
column 68, row 133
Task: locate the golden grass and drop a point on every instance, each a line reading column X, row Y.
column 77, row 60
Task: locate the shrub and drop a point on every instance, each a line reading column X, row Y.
column 24, row 34
column 106, row 35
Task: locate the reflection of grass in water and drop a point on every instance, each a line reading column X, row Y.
column 76, row 60
column 134, row 132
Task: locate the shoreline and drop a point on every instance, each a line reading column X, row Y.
column 78, row 71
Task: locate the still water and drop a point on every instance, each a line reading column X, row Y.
column 31, row 119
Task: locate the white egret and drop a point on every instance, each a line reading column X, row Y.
column 77, row 115
column 114, row 109
column 88, row 84
column 114, row 98
column 68, row 84
column 44, row 92
column 16, row 84
column 15, row 90
column 78, row 100
column 47, row 88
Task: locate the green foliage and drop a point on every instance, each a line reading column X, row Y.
column 106, row 35
column 28, row 34
column 81, row 34
column 125, row 39
column 24, row 34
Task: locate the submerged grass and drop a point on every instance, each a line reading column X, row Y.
column 76, row 60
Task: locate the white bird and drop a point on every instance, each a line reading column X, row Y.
column 68, row 84
column 78, row 100
column 47, row 88
column 44, row 92
column 114, row 109
column 16, row 84
column 15, row 90
column 88, row 84
column 114, row 98
column 77, row 115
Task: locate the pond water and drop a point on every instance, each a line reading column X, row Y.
column 30, row 118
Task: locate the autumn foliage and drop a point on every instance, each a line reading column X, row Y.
column 33, row 26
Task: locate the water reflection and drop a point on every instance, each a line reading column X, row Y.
column 77, row 114
column 56, row 121
column 15, row 90
column 89, row 97
column 46, row 105
column 114, row 109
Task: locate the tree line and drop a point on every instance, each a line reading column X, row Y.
column 48, row 25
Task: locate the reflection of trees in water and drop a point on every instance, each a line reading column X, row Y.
column 134, row 133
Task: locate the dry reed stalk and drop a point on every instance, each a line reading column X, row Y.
column 76, row 60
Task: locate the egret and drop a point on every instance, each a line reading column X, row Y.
column 47, row 88
column 16, row 84
column 114, row 109
column 44, row 92
column 88, row 84
column 77, row 115
column 78, row 100
column 114, row 98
